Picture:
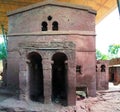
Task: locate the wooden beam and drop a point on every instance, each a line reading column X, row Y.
column 18, row 3
column 4, row 20
column 2, row 12
column 99, row 4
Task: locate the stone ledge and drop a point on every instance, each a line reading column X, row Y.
column 48, row 33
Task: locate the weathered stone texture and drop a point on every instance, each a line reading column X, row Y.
column 26, row 24
column 75, row 38
column 102, row 75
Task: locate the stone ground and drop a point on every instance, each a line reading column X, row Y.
column 106, row 101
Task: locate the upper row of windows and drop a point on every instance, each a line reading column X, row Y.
column 44, row 26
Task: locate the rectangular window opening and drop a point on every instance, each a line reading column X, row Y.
column 78, row 69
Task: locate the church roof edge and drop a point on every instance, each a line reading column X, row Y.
column 53, row 3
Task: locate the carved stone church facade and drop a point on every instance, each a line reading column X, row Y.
column 51, row 52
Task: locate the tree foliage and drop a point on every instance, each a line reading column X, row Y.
column 101, row 56
column 113, row 50
column 3, row 48
column 3, row 51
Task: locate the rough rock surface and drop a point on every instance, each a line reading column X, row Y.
column 104, row 102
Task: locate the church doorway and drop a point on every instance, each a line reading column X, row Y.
column 35, row 77
column 59, row 78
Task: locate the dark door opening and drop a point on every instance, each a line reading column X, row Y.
column 112, row 71
column 59, row 78
column 36, row 77
column 112, row 77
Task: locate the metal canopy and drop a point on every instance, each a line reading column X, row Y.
column 103, row 7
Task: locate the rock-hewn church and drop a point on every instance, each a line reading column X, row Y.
column 51, row 52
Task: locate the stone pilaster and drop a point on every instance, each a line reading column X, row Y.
column 47, row 80
column 71, row 91
column 23, row 79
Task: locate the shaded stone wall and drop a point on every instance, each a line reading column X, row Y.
column 114, row 74
column 114, row 70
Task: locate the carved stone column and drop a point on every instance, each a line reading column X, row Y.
column 47, row 80
column 71, row 91
column 23, row 78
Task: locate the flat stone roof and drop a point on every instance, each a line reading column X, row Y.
column 115, row 62
column 52, row 3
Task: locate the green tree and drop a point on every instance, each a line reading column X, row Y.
column 3, row 52
column 3, row 45
column 101, row 56
column 114, row 50
column 3, row 48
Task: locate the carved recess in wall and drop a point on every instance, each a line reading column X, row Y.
column 47, row 45
column 47, row 50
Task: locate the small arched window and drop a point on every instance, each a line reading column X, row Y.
column 44, row 26
column 55, row 26
column 103, row 68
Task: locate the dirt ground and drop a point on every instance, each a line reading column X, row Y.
column 105, row 101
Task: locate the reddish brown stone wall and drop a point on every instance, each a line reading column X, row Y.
column 102, row 75
column 87, row 78
column 30, row 21
column 85, row 55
